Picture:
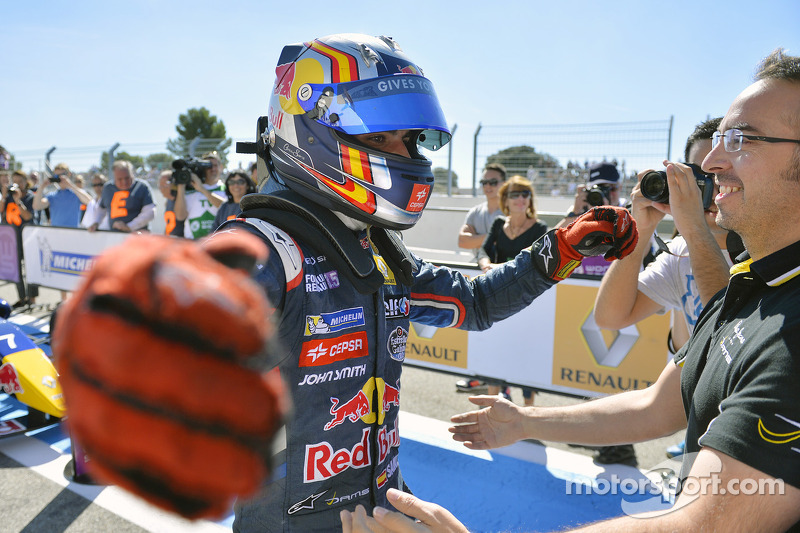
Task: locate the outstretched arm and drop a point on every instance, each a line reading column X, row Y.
column 631, row 416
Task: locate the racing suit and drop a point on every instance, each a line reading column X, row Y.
column 344, row 351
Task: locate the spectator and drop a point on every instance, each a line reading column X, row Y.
column 172, row 226
column 508, row 236
column 127, row 201
column 65, row 203
column 97, row 181
column 627, row 295
column 16, row 207
column 33, row 179
column 254, row 173
column 198, row 206
column 733, row 385
column 603, row 179
column 237, row 184
column 472, row 234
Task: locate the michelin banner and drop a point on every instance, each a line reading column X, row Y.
column 58, row 257
column 552, row 345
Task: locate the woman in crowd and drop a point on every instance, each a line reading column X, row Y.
column 237, row 184
column 509, row 235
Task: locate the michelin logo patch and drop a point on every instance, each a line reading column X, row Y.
column 333, row 322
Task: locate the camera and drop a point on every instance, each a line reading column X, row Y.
column 54, row 178
column 184, row 168
column 654, row 186
column 596, row 196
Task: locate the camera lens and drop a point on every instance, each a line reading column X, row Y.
column 595, row 198
column 654, row 187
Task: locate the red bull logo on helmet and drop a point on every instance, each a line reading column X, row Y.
column 9, row 379
column 360, row 406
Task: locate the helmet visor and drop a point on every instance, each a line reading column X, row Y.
column 388, row 103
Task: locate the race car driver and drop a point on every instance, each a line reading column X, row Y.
column 340, row 172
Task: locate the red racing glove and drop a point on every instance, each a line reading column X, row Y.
column 608, row 231
column 159, row 354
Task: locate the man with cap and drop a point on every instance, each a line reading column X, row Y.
column 603, row 180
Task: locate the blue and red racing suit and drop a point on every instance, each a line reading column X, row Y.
column 344, row 356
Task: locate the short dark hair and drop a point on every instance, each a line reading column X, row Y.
column 779, row 66
column 702, row 131
column 497, row 167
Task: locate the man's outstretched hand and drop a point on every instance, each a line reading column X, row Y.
column 160, row 354
column 608, row 231
column 498, row 424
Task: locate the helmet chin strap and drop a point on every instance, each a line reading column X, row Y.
column 351, row 223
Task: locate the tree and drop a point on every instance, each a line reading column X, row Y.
column 517, row 159
column 136, row 160
column 199, row 123
column 440, row 177
column 159, row 161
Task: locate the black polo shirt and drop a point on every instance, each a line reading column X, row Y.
column 741, row 369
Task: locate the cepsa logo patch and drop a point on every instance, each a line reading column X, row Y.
column 322, row 462
column 419, row 197
column 326, row 351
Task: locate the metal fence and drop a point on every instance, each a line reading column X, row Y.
column 634, row 146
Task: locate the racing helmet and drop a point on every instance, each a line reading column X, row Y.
column 330, row 89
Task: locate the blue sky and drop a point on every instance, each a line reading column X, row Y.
column 87, row 74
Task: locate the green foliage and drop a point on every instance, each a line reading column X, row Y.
column 159, row 161
column 517, row 159
column 199, row 123
column 136, row 160
column 440, row 183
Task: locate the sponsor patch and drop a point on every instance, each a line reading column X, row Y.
column 322, row 462
column 334, row 375
column 397, row 343
column 306, row 504
column 326, row 351
column 322, row 282
column 341, row 499
column 396, row 307
column 335, row 321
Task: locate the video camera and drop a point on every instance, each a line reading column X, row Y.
column 654, row 186
column 184, row 168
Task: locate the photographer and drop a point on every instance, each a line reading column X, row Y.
column 65, row 203
column 16, row 208
column 127, row 200
column 602, row 188
column 198, row 205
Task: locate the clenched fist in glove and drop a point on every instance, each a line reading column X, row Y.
column 608, row 231
column 160, row 354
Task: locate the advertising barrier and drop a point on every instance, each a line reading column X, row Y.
column 9, row 259
column 553, row 345
column 57, row 257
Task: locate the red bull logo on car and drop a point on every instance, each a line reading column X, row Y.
column 360, row 407
column 9, row 379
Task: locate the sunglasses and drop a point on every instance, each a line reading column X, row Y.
column 97, row 184
column 517, row 194
column 237, row 181
column 491, row 182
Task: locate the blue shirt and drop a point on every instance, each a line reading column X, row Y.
column 65, row 208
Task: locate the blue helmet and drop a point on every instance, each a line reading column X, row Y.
column 332, row 88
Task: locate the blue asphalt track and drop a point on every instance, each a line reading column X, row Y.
column 518, row 489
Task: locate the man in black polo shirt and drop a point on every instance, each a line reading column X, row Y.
column 735, row 383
